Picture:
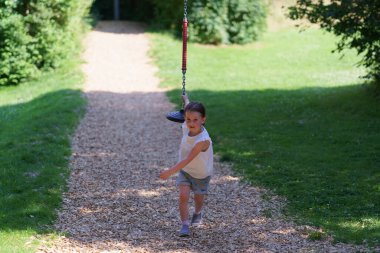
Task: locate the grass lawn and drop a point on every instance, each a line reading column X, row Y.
column 37, row 119
column 294, row 118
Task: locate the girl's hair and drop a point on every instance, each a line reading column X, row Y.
column 196, row 107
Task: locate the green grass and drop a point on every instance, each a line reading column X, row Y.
column 294, row 118
column 37, row 119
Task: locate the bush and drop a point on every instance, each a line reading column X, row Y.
column 55, row 26
column 38, row 34
column 208, row 21
column 246, row 20
column 15, row 61
column 168, row 14
column 215, row 21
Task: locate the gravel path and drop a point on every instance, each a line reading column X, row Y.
column 115, row 201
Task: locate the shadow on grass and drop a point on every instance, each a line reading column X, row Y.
column 35, row 147
column 318, row 147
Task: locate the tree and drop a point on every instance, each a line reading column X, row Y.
column 357, row 22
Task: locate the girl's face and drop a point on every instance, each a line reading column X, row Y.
column 194, row 122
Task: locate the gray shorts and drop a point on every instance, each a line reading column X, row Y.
column 198, row 186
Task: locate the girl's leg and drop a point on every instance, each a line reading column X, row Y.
column 198, row 199
column 184, row 195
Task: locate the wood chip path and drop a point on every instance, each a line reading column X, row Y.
column 115, row 201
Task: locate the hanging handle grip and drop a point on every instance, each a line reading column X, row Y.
column 184, row 46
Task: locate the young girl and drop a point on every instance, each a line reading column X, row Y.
column 195, row 164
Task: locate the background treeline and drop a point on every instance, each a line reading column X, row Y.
column 37, row 35
column 211, row 21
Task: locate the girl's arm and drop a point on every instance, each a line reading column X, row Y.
column 185, row 99
column 199, row 147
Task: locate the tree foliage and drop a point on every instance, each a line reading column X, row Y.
column 357, row 22
column 215, row 21
column 37, row 34
column 210, row 21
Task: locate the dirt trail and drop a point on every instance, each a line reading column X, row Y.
column 115, row 201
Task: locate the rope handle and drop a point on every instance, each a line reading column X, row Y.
column 184, row 45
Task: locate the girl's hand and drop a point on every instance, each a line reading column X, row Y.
column 185, row 99
column 165, row 174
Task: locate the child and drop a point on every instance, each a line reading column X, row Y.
column 195, row 164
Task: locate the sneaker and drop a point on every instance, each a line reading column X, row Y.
column 185, row 231
column 197, row 219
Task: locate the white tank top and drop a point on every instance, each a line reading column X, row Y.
column 202, row 165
